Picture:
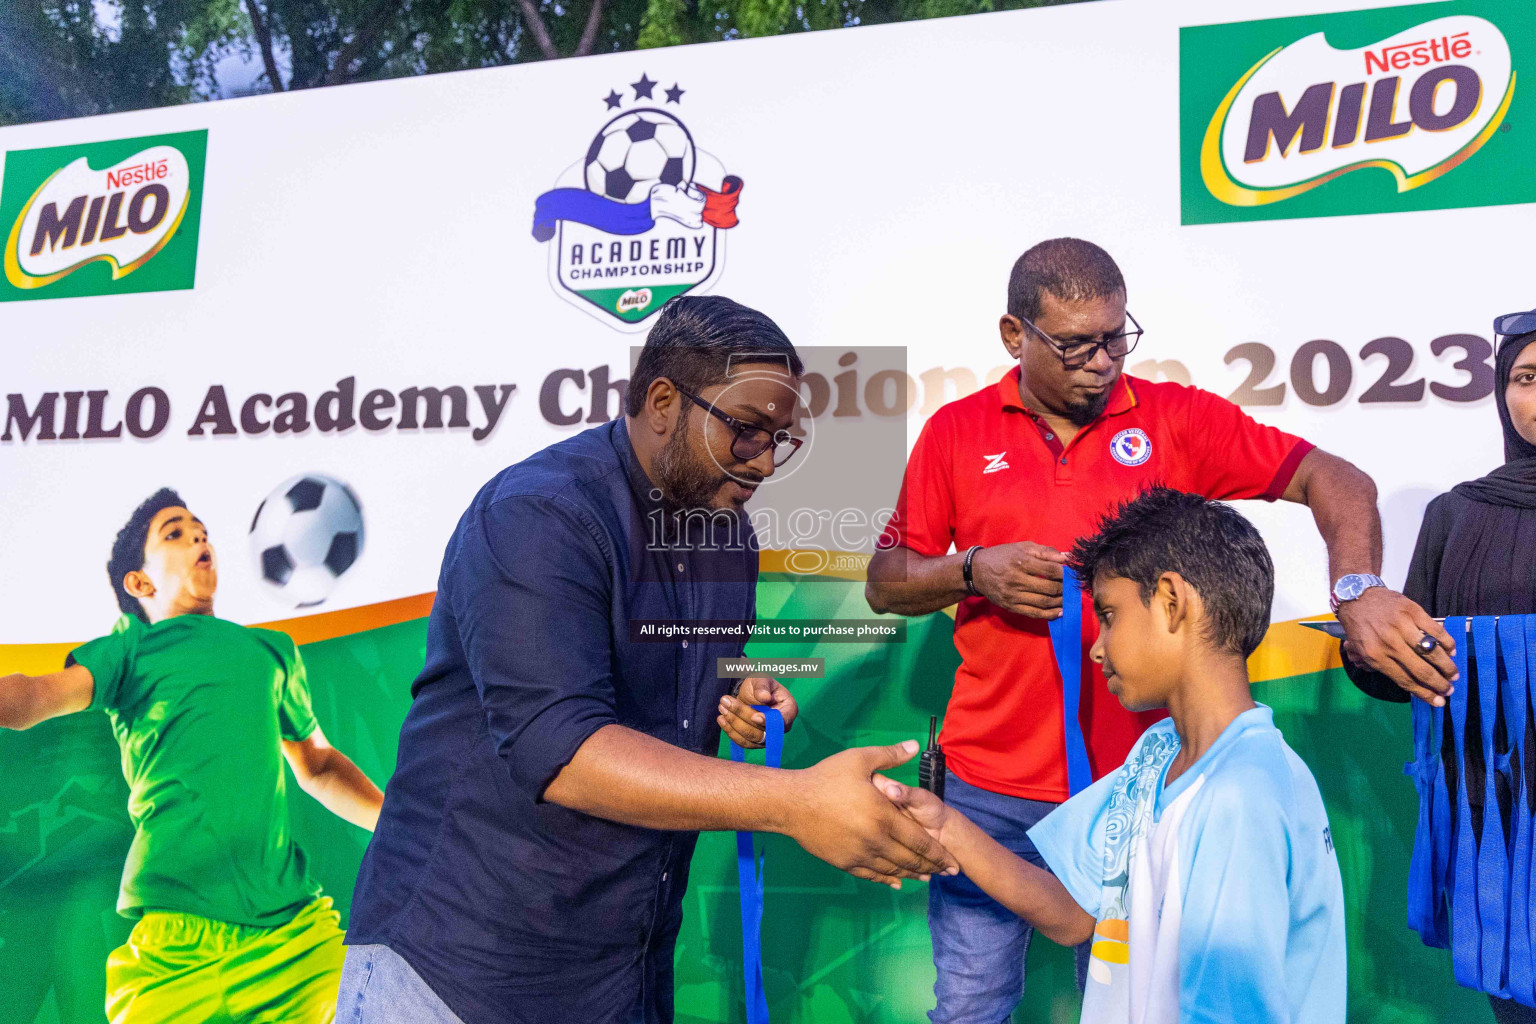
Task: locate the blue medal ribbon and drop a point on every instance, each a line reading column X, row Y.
column 1426, row 897
column 1517, row 638
column 749, row 873
column 1443, row 823
column 1492, row 855
column 1466, row 960
column 1067, row 642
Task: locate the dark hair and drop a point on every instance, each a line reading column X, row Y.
column 1208, row 543
column 1069, row 268
column 695, row 341
column 128, row 548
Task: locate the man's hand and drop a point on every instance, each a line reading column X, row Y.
column 1024, row 577
column 844, row 820
column 1382, row 628
column 746, row 725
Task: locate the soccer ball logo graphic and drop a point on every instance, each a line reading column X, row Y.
column 637, row 150
column 304, row 536
column 641, row 216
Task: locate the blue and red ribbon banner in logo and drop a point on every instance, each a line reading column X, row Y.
column 693, row 206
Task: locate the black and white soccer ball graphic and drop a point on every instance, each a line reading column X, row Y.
column 637, row 150
column 305, row 535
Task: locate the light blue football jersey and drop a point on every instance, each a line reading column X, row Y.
column 1217, row 898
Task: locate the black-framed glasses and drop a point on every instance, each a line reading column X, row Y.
column 1514, row 323
column 1080, row 354
column 750, row 440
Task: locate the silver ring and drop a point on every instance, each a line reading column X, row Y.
column 1426, row 645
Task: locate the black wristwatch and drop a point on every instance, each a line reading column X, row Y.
column 970, row 583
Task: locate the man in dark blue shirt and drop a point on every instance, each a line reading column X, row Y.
column 554, row 769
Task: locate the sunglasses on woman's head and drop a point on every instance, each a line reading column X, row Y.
column 1515, row 323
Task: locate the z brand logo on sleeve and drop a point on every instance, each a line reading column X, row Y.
column 102, row 218
column 1393, row 113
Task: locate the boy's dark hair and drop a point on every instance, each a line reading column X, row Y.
column 128, row 548
column 699, row 339
column 1207, row 542
column 1069, row 268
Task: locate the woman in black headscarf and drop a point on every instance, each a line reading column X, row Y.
column 1476, row 553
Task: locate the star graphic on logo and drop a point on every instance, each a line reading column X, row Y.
column 643, row 87
column 613, row 100
column 675, row 94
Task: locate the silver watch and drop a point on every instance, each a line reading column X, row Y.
column 1352, row 586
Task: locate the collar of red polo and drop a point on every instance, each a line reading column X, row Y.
column 1121, row 399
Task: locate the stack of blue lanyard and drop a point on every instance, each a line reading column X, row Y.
column 1469, row 885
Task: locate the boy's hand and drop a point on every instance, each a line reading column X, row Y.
column 918, row 804
column 746, row 725
column 838, row 816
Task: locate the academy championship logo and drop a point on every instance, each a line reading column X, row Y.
column 100, row 218
column 1395, row 114
column 642, row 216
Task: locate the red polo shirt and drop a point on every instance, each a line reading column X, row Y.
column 986, row 470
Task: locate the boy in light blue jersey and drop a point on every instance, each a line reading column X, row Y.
column 1202, row 868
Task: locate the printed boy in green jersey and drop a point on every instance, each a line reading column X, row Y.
column 231, row 928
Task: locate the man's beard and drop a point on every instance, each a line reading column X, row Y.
column 685, row 483
column 1085, row 413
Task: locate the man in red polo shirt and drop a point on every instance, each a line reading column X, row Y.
column 1007, row 479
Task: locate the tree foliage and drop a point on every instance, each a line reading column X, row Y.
column 69, row 58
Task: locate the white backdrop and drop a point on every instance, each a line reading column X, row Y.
column 892, row 175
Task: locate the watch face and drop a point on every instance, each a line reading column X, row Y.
column 1352, row 586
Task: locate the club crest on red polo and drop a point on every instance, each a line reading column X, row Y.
column 1131, row 447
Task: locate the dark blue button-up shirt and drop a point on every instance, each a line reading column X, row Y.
column 513, row 909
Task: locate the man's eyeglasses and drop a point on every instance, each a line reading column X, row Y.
column 751, row 440
column 1515, row 323
column 1079, row 354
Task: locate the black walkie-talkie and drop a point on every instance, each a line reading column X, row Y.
column 930, row 766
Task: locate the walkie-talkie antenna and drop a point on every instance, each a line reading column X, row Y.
column 930, row 764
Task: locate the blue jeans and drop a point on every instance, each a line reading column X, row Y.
column 978, row 944
column 379, row 987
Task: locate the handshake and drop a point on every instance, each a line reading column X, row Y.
column 841, row 809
